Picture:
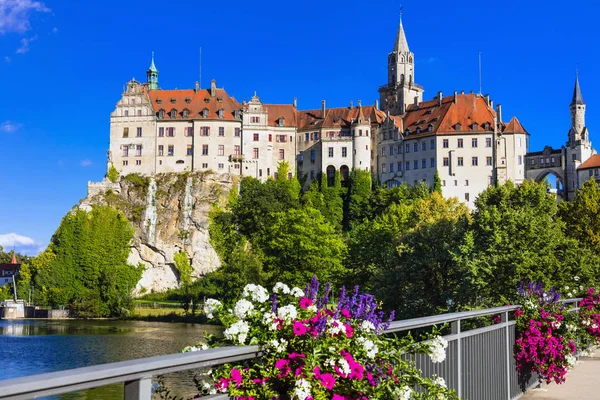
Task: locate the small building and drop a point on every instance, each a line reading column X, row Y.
column 7, row 271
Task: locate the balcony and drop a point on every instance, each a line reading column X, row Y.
column 236, row 157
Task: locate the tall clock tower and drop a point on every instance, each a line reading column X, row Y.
column 401, row 89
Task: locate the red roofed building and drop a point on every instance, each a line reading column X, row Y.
column 8, row 270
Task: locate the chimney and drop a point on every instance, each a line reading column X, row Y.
column 492, row 104
column 295, row 102
column 487, row 99
column 359, row 104
column 213, row 88
column 323, row 109
column 455, row 97
column 499, row 113
column 351, row 105
column 439, row 97
column 377, row 104
column 462, row 92
column 197, row 86
column 471, row 92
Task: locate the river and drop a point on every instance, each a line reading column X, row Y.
column 30, row 347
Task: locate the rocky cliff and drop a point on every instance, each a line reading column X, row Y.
column 170, row 213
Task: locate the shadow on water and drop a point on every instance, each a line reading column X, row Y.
column 36, row 346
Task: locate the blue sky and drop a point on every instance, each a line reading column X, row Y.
column 63, row 65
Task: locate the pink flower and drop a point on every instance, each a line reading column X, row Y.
column 281, row 363
column 337, row 397
column 518, row 312
column 299, row 328
column 349, row 330
column 236, row 375
column 346, row 313
column 327, row 380
column 305, row 303
column 294, row 355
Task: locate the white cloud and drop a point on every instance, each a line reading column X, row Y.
column 86, row 163
column 9, row 126
column 14, row 239
column 24, row 48
column 15, row 15
column 54, row 30
column 7, row 59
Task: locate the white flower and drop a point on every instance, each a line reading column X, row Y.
column 297, row 292
column 580, row 287
column 281, row 287
column 403, row 393
column 438, row 380
column 344, row 366
column 529, row 304
column 269, row 320
column 211, row 306
column 576, row 278
column 302, row 390
column 206, row 386
column 335, row 327
column 242, row 308
column 370, row 348
column 238, row 330
column 287, row 313
column 367, row 326
column 438, row 349
column 312, row 308
column 566, row 288
column 279, row 346
column 571, row 360
column 256, row 293
column 187, row 349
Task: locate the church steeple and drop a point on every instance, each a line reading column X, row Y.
column 152, row 75
column 577, row 97
column 401, row 43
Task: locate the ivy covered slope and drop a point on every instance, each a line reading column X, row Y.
column 169, row 215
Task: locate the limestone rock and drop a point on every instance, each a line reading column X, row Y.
column 170, row 213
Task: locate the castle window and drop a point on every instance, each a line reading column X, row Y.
column 204, row 149
column 179, row 162
column 432, row 144
column 446, row 161
column 430, row 128
column 415, row 147
column 173, row 113
column 488, row 142
column 457, row 127
column 255, row 137
column 161, row 113
column 188, row 100
column 475, row 126
column 185, row 113
column 237, row 132
column 423, row 146
column 205, row 113
column 330, row 151
column 138, row 162
column 125, row 132
column 190, row 149
column 171, row 150
column 139, row 132
column 221, row 131
column 236, row 114
column 207, row 100
column 445, row 143
column 161, row 150
column 383, row 151
column 220, row 99
column 173, row 101
column 125, row 149
column 474, row 142
column 344, row 151
column 221, row 113
column 424, row 163
column 281, row 154
column 220, row 166
column 520, row 160
column 407, row 147
column 488, row 161
column 432, row 162
column 281, row 121
column 255, row 153
column 475, row 161
column 139, row 113
column 416, row 164
column 459, row 143
column 158, row 101
column 407, row 166
column 127, row 113
column 205, row 131
column 171, row 132
column 221, row 150
column 161, row 131
column 459, row 161
column 189, row 131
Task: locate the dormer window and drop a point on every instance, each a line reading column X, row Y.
column 430, row 128
column 158, row 101
column 206, row 100
column 418, row 130
column 173, row 101
column 188, row 100
column 236, row 114
column 173, row 113
column 487, row 126
column 220, row 99
column 221, row 113
column 407, row 132
column 205, row 113
column 475, row 126
column 161, row 113
column 457, row 126
column 185, row 113
column 281, row 121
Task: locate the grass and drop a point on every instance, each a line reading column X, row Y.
column 157, row 312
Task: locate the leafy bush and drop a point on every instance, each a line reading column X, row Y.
column 112, row 174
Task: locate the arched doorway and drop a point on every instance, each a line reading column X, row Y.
column 344, row 173
column 554, row 181
column 330, row 175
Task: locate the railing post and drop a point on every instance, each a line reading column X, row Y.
column 455, row 330
column 140, row 389
column 504, row 320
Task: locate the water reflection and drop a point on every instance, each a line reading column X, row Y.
column 30, row 347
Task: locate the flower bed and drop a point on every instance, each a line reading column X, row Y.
column 546, row 340
column 316, row 349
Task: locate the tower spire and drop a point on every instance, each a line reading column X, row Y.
column 577, row 97
column 152, row 75
column 401, row 43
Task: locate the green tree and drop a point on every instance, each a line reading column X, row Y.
column 300, row 244
column 358, row 198
column 112, row 174
column 184, row 267
column 89, row 266
column 437, row 183
column 582, row 216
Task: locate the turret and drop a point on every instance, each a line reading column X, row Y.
column 152, row 75
column 361, row 141
column 577, row 113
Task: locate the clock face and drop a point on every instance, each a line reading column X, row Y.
column 391, row 99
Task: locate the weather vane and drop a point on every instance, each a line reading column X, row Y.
column 401, row 7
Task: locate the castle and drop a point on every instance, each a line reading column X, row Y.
column 400, row 139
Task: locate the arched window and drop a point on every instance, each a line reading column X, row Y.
column 401, row 77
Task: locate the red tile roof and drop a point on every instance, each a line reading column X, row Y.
column 337, row 117
column 592, row 162
column 514, row 126
column 287, row 111
column 195, row 103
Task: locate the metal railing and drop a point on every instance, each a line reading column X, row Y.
column 479, row 363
